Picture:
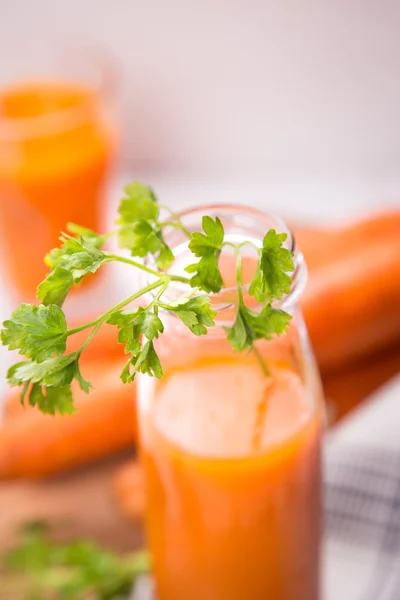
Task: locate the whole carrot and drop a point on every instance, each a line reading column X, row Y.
column 35, row 445
column 129, row 490
column 346, row 389
column 352, row 301
column 322, row 245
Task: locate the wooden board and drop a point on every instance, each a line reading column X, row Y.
column 78, row 505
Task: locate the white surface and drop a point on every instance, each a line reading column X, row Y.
column 237, row 85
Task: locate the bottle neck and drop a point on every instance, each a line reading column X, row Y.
column 241, row 224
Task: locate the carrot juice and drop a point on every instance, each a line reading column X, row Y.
column 55, row 152
column 232, row 464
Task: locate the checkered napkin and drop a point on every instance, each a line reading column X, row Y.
column 362, row 522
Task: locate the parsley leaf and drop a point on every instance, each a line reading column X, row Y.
column 144, row 361
column 250, row 326
column 195, row 313
column 213, row 238
column 141, row 238
column 38, row 332
column 79, row 256
column 54, row 375
column 147, row 361
column 240, row 335
column 150, row 325
column 165, row 256
column 276, row 321
column 139, row 202
column 132, row 325
column 271, row 279
column 95, row 239
column 139, row 227
column 83, row 383
column 127, row 374
column 51, row 372
column 38, row 568
column 52, row 399
column 208, row 248
column 54, row 289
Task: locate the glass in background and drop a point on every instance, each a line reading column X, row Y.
column 58, row 142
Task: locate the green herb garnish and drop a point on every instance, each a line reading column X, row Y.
column 40, row 332
column 38, row 569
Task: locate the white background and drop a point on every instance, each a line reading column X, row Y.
column 289, row 88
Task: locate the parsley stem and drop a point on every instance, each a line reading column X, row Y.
column 122, row 304
column 239, row 273
column 249, row 243
column 177, row 225
column 245, row 243
column 241, row 301
column 177, row 222
column 157, row 297
column 134, row 263
column 261, row 361
column 90, row 337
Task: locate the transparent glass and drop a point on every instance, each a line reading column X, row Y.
column 57, row 145
column 232, row 456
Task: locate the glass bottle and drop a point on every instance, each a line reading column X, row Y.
column 231, row 453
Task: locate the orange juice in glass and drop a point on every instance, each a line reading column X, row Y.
column 232, row 456
column 57, row 143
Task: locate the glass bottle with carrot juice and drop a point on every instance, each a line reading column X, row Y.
column 231, row 445
column 57, row 142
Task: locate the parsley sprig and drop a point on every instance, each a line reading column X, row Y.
column 39, row 333
column 39, row 569
column 270, row 282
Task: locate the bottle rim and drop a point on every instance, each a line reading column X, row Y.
column 252, row 222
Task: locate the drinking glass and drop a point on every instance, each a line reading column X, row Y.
column 58, row 141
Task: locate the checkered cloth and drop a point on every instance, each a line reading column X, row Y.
column 362, row 523
column 362, row 505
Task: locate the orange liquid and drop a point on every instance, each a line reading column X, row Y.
column 232, row 464
column 51, row 172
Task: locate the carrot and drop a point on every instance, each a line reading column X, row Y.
column 35, row 445
column 352, row 301
column 352, row 305
column 129, row 490
column 322, row 245
column 348, row 388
